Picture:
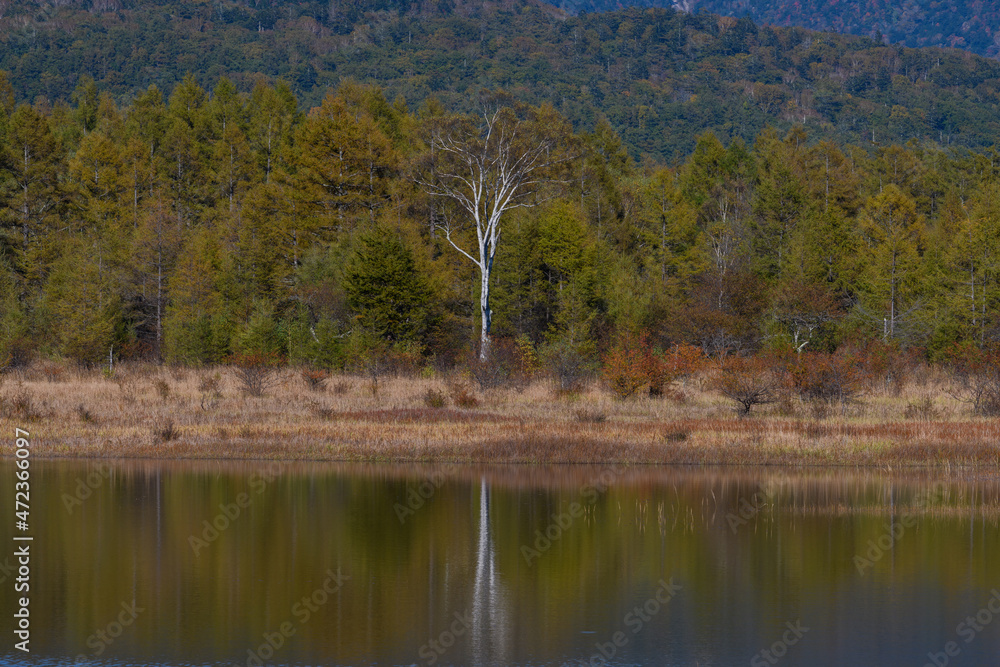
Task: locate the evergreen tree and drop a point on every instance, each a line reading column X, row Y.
column 889, row 272
column 384, row 289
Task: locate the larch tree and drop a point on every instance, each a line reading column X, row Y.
column 488, row 166
column 892, row 233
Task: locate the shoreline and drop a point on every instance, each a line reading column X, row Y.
column 739, row 443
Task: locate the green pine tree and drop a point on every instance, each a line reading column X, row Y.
column 384, row 289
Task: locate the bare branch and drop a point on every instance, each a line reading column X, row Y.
column 488, row 167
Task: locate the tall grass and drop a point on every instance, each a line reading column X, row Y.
column 207, row 413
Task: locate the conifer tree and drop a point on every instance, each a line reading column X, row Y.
column 384, row 289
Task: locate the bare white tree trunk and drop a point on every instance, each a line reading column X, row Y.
column 486, row 313
column 487, row 169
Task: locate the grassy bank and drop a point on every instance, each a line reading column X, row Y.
column 160, row 412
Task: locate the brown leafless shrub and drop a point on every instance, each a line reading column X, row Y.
column 210, row 383
column 342, row 387
column 676, row 395
column 21, row 403
column 210, row 388
column 255, row 373
column 162, row 388
column 128, row 385
column 677, row 435
column 922, row 409
column 819, row 411
column 435, row 398
column 53, row 372
column 462, row 395
column 976, row 379
column 321, row 410
column 748, row 381
column 590, row 416
column 165, row 431
column 506, row 366
column 85, row 415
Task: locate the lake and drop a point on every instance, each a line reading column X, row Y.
column 222, row 563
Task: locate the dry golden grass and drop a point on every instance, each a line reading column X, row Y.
column 162, row 412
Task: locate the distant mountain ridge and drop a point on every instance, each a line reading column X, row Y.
column 973, row 25
column 661, row 77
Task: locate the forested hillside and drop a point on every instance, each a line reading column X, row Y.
column 191, row 225
column 660, row 77
column 965, row 24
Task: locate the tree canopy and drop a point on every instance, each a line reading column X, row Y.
column 190, row 225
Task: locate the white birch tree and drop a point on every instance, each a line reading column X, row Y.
column 489, row 166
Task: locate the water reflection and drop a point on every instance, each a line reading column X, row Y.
column 489, row 604
column 506, row 565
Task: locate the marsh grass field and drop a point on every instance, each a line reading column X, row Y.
column 149, row 411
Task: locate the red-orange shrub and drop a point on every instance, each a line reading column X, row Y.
column 684, row 360
column 629, row 365
column 821, row 376
column 315, row 378
column 884, row 366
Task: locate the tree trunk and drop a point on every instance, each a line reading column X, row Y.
column 486, row 313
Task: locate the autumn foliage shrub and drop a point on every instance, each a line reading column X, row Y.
column 684, row 361
column 883, row 365
column 826, row 377
column 315, row 378
column 679, row 363
column 632, row 363
column 629, row 365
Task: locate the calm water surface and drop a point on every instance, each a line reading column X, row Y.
column 314, row 564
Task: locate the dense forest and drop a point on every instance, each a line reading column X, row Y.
column 660, row 77
column 966, row 24
column 193, row 225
